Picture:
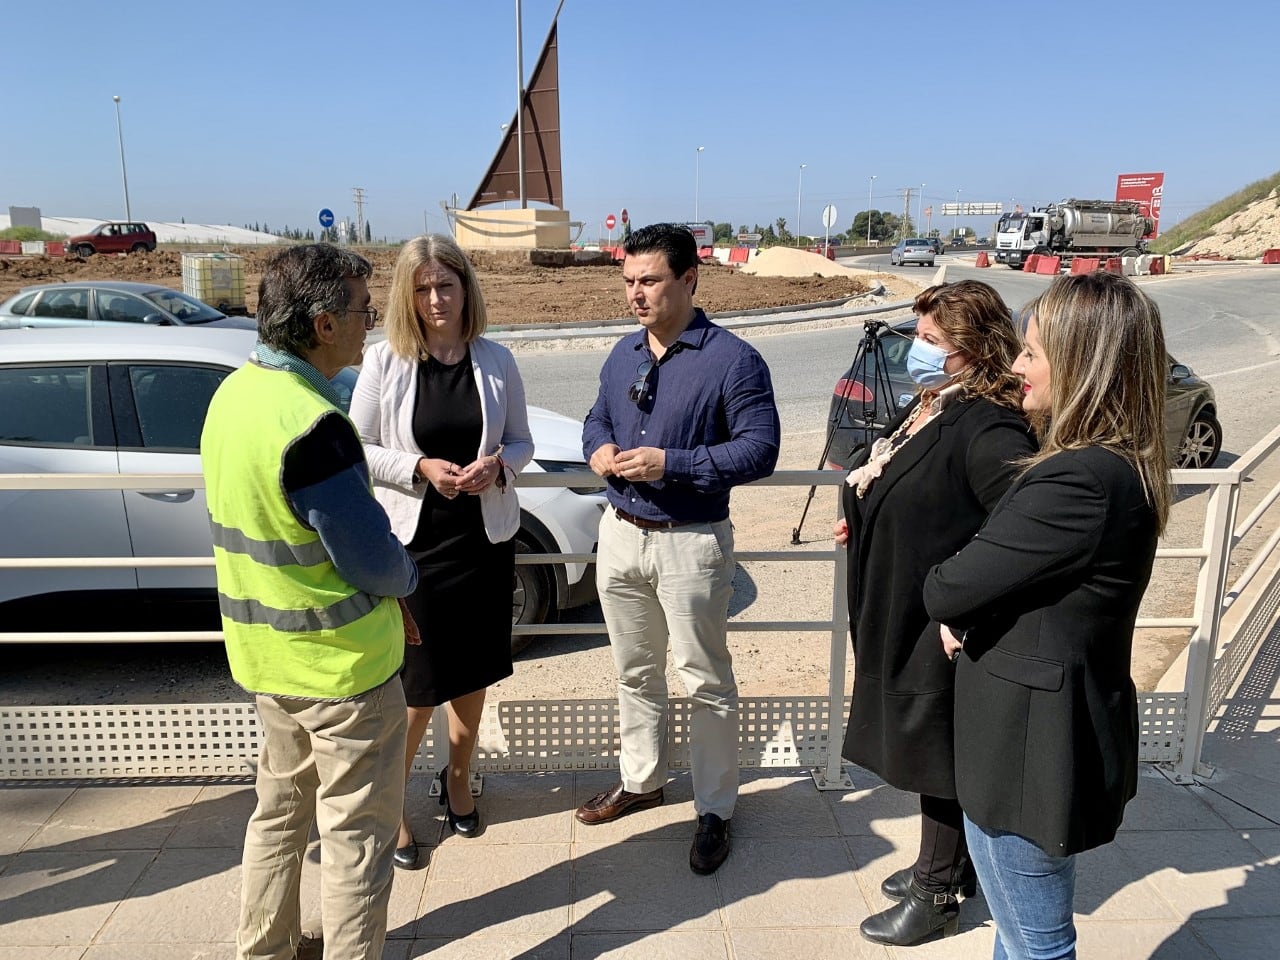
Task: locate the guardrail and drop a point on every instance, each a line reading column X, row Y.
column 49, row 742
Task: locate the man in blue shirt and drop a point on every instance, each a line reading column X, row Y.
column 685, row 412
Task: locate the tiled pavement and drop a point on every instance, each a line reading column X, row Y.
column 144, row 872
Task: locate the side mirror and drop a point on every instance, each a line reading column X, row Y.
column 1180, row 371
column 156, row 319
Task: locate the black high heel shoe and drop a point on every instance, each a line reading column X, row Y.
column 466, row 825
column 406, row 857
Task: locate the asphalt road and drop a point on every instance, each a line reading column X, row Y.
column 1225, row 324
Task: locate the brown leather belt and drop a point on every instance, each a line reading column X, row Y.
column 644, row 524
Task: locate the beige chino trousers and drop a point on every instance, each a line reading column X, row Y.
column 340, row 765
column 660, row 587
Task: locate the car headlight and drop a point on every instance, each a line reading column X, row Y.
column 568, row 466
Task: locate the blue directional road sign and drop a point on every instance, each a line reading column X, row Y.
column 326, row 218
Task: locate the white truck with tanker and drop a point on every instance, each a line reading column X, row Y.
column 1073, row 228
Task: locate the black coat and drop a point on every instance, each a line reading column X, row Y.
column 1046, row 713
column 932, row 498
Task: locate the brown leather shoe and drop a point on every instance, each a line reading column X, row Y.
column 613, row 803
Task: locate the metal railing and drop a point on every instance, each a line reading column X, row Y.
column 220, row 739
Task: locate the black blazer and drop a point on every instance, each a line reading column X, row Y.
column 934, row 495
column 1046, row 716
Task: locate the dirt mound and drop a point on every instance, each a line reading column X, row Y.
column 793, row 262
column 1243, row 235
column 515, row 291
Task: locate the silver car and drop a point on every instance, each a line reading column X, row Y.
column 913, row 250
column 96, row 303
column 133, row 401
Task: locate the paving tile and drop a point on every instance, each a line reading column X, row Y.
column 80, row 890
column 162, row 951
column 480, row 947
column 784, row 943
column 1256, row 794
column 116, row 818
column 971, row 943
column 773, row 805
column 518, row 888
column 24, row 810
column 794, row 881
column 41, row 953
column 1166, row 940
column 1109, row 886
column 674, row 820
column 407, row 889
column 185, row 896
column 1236, row 815
column 874, row 858
column 1266, row 841
column 1163, row 805
column 1211, row 870
column 216, row 818
column 645, row 885
column 1239, row 939
column 524, row 808
column 873, row 808
column 679, row 945
column 426, row 816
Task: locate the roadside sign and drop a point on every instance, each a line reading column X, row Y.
column 610, row 222
column 625, row 218
column 829, row 215
column 326, row 218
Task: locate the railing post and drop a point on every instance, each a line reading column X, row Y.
column 1211, row 588
column 832, row 775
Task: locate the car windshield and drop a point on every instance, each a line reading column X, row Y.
column 184, row 308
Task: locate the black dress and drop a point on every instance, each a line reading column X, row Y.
column 463, row 600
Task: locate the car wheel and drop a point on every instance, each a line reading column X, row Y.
column 138, row 248
column 531, row 598
column 84, row 250
column 1202, row 443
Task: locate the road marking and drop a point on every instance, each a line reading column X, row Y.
column 1232, row 373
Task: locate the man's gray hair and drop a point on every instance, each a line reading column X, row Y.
column 300, row 283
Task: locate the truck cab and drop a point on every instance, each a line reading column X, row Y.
column 1018, row 235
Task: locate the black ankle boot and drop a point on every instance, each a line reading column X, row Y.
column 896, row 885
column 919, row 915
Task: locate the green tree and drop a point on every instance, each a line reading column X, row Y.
column 368, row 232
column 722, row 232
column 784, row 235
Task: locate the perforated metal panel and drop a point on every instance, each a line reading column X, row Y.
column 220, row 739
column 1238, row 652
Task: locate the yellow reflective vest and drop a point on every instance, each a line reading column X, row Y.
column 293, row 626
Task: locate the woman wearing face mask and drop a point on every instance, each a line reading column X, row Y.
column 916, row 496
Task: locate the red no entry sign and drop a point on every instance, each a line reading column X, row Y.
column 610, row 222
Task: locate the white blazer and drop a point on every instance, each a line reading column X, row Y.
column 382, row 408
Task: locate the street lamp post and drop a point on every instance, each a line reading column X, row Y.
column 870, row 187
column 799, row 195
column 128, row 214
column 955, row 221
column 920, row 213
column 697, row 182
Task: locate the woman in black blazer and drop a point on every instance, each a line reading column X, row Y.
column 1039, row 609
column 915, row 497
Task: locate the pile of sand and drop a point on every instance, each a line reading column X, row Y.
column 1246, row 234
column 793, row 262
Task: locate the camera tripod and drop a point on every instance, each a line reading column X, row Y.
column 869, row 377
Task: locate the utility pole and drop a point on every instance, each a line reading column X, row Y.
column 906, row 209
column 358, row 196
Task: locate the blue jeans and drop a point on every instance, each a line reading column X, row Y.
column 1028, row 892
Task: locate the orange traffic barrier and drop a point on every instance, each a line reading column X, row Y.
column 1084, row 265
column 1271, row 256
column 739, row 254
column 1029, row 265
column 1113, row 265
column 982, row 259
column 10, row 246
column 1049, row 265
column 1157, row 266
column 55, row 248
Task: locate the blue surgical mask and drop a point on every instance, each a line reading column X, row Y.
column 925, row 362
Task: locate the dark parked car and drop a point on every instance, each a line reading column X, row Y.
column 101, row 303
column 1192, row 431
column 912, row 250
column 936, row 243
column 113, row 237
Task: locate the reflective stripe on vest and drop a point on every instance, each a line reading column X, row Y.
column 332, row 617
column 271, row 553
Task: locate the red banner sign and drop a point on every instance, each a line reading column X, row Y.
column 1146, row 189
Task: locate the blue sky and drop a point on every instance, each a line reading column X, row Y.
column 240, row 112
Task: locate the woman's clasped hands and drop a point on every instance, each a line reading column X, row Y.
column 450, row 479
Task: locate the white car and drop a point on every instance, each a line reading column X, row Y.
column 131, row 401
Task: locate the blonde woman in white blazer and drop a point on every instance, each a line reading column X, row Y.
column 441, row 412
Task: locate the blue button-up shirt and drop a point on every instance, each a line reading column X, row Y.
column 708, row 404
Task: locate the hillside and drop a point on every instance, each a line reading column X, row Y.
column 1239, row 227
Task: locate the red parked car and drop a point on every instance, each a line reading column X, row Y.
column 113, row 237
